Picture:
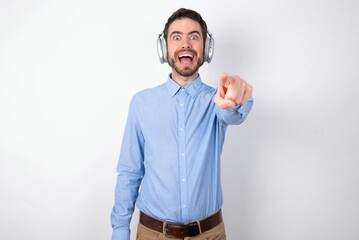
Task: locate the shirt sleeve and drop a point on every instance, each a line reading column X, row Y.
column 235, row 115
column 130, row 171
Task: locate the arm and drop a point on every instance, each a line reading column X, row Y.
column 130, row 172
column 234, row 99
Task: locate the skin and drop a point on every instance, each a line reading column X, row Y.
column 185, row 38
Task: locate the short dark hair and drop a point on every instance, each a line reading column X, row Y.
column 186, row 13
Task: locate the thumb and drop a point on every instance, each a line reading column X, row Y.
column 222, row 102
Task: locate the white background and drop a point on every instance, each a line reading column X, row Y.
column 69, row 68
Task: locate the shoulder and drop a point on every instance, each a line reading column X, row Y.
column 207, row 91
column 207, row 88
column 148, row 93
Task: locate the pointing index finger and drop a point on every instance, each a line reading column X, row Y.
column 223, row 80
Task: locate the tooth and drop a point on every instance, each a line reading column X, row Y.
column 186, row 55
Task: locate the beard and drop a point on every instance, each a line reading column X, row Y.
column 187, row 71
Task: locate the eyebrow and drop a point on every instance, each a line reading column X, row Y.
column 179, row 32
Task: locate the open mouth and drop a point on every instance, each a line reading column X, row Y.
column 185, row 57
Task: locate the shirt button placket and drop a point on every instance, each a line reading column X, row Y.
column 182, row 151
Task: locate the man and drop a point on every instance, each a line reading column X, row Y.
column 170, row 157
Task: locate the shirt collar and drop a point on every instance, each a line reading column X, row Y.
column 192, row 88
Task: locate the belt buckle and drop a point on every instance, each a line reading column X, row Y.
column 194, row 229
column 165, row 229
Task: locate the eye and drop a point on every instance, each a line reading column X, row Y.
column 194, row 37
column 176, row 37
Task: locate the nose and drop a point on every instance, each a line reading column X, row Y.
column 186, row 44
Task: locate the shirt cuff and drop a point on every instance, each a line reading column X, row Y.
column 246, row 108
column 121, row 234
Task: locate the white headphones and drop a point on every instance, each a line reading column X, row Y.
column 162, row 48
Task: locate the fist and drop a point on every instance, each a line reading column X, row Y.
column 232, row 91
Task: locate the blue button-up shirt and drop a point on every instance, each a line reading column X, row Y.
column 169, row 163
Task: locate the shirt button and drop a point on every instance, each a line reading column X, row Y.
column 181, row 129
column 182, row 154
column 184, row 206
column 181, row 105
column 183, row 180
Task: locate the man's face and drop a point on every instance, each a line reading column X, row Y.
column 185, row 47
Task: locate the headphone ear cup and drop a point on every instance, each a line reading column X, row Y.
column 209, row 48
column 164, row 49
column 161, row 48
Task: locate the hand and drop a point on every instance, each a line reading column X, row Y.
column 232, row 91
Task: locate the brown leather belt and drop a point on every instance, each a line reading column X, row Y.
column 179, row 230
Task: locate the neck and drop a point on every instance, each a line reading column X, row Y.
column 183, row 80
